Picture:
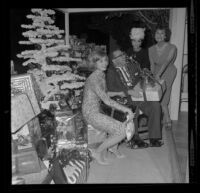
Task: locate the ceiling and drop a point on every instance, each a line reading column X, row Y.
column 78, row 10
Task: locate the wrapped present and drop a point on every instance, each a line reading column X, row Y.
column 151, row 93
column 81, row 129
column 24, row 156
column 26, row 137
column 95, row 136
column 25, row 162
column 35, row 130
column 70, row 126
column 70, row 144
column 76, row 172
column 21, row 140
column 74, row 163
column 32, row 178
column 65, row 126
column 21, row 111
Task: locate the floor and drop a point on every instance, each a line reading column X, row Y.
column 166, row 164
column 180, row 132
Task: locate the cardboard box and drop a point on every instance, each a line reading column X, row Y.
column 21, row 111
column 25, row 163
column 24, row 156
column 152, row 93
column 33, row 178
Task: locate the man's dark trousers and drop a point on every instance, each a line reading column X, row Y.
column 153, row 111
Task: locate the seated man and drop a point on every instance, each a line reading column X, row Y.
column 118, row 85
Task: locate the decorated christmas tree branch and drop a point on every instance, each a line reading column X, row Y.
column 50, row 60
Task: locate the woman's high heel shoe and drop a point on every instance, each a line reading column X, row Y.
column 97, row 157
column 116, row 153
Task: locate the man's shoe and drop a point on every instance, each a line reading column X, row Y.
column 155, row 143
column 137, row 144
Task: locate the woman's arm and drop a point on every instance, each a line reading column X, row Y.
column 169, row 59
column 152, row 65
column 112, row 94
column 97, row 88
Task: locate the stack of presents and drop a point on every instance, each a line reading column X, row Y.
column 46, row 148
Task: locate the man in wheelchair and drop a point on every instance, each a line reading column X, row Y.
column 119, row 76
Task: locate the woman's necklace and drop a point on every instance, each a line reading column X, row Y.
column 160, row 49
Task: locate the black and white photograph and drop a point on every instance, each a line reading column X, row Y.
column 109, row 100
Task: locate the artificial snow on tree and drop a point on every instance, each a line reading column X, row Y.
column 50, row 61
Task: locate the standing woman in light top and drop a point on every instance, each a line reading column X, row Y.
column 95, row 92
column 162, row 56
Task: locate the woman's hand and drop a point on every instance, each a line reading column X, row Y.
column 157, row 77
column 130, row 116
column 112, row 94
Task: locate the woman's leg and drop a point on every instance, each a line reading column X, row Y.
column 113, row 139
column 169, row 77
column 165, row 110
column 116, row 132
column 116, row 152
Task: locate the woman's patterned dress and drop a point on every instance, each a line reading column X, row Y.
column 94, row 94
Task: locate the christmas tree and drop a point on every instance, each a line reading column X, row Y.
column 50, row 59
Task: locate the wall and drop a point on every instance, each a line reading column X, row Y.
column 177, row 25
column 184, row 93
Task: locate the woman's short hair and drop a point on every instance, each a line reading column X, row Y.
column 94, row 57
column 166, row 29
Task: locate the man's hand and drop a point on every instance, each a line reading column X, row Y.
column 135, row 93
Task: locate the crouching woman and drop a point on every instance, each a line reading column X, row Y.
column 94, row 94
